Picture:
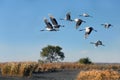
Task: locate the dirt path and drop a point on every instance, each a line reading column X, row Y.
column 59, row 75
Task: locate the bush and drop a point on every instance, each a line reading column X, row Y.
column 98, row 75
column 85, row 61
column 18, row 69
column 41, row 61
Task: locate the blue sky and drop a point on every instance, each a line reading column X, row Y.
column 21, row 21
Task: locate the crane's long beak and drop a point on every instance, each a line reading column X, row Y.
column 61, row 19
column 102, row 24
column 92, row 43
column 91, row 16
column 42, row 30
column 71, row 20
column 112, row 25
column 84, row 21
column 80, row 15
column 81, row 29
column 62, row 25
column 103, row 45
column 95, row 30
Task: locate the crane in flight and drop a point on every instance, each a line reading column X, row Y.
column 97, row 43
column 88, row 31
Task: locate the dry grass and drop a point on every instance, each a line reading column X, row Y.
column 27, row 68
column 18, row 69
column 99, row 75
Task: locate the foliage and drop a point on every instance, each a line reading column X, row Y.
column 26, row 69
column 18, row 69
column 85, row 61
column 40, row 61
column 99, row 75
column 52, row 53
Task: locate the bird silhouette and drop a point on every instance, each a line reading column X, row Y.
column 107, row 25
column 78, row 22
column 97, row 43
column 54, row 22
column 49, row 26
column 88, row 31
column 85, row 15
column 67, row 17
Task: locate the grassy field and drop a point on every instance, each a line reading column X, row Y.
column 86, row 72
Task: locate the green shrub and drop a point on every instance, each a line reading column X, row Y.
column 85, row 61
column 41, row 61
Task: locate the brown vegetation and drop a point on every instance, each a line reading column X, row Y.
column 99, row 75
column 18, row 69
column 27, row 68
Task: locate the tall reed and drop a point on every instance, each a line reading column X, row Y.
column 98, row 75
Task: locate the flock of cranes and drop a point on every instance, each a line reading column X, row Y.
column 51, row 27
column 54, row 25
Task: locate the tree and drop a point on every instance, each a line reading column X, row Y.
column 85, row 61
column 52, row 53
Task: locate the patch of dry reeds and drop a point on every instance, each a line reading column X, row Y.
column 99, row 75
column 18, row 69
